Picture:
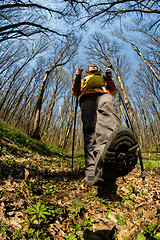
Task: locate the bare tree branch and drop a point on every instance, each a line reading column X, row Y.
column 27, row 5
column 109, row 10
column 16, row 25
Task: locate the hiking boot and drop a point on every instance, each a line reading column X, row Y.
column 89, row 180
column 119, row 156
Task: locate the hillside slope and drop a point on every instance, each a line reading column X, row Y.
column 41, row 198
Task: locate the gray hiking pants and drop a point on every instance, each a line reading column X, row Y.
column 99, row 119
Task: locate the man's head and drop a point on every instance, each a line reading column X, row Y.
column 93, row 68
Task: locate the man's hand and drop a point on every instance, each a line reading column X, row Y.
column 108, row 72
column 79, row 71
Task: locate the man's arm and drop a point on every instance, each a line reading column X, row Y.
column 76, row 87
column 110, row 84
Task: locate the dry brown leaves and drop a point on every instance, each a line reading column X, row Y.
column 135, row 207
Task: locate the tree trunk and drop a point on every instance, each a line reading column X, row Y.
column 52, row 103
column 36, row 127
column 70, row 121
column 61, row 60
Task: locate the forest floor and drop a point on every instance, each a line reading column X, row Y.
column 41, row 198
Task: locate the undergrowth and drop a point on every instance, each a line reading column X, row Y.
column 42, row 198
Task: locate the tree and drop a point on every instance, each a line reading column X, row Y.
column 107, row 11
column 14, row 25
column 67, row 113
column 13, row 77
column 48, row 116
column 107, row 52
column 145, row 60
column 148, row 73
column 65, row 54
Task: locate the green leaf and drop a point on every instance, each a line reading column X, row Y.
column 131, row 197
column 46, row 213
column 43, row 207
column 33, row 218
column 157, row 236
column 141, row 237
column 43, row 216
column 31, row 231
column 58, row 211
column 31, row 210
column 152, row 227
column 37, row 206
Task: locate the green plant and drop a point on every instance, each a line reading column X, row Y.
column 50, row 189
column 129, row 206
column 140, row 237
column 88, row 223
column 89, row 195
column 36, row 234
column 151, row 232
column 3, row 230
column 71, row 237
column 35, row 188
column 40, row 215
column 4, row 149
column 39, row 212
column 123, row 198
column 76, row 227
column 18, row 234
column 77, row 206
column 130, row 197
column 151, row 216
column 120, row 220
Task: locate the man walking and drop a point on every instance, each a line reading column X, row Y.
column 110, row 150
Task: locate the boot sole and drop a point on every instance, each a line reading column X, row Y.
column 119, row 156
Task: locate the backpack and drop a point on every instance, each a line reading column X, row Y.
column 94, row 81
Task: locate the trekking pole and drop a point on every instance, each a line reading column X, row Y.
column 74, row 126
column 130, row 125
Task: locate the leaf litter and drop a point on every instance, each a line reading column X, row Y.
column 41, row 198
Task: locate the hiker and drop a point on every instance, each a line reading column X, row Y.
column 101, row 126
